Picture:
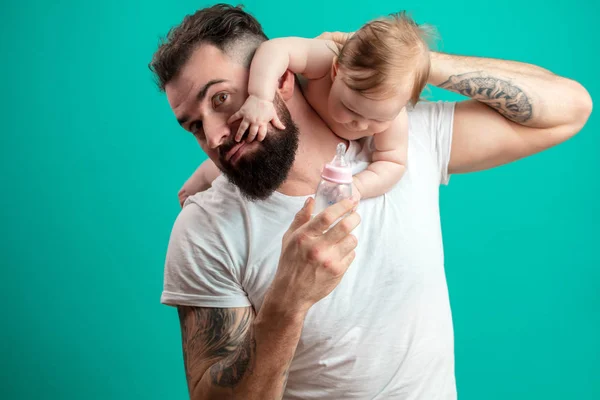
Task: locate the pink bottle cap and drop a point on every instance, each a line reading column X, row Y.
column 337, row 174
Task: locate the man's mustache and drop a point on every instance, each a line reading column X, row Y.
column 225, row 147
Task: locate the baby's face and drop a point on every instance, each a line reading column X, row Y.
column 360, row 114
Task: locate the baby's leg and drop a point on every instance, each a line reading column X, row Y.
column 200, row 181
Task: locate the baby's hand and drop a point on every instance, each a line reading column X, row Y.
column 355, row 192
column 256, row 114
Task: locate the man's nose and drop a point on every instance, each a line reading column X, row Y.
column 216, row 133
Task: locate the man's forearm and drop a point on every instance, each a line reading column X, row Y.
column 523, row 93
column 277, row 333
column 254, row 363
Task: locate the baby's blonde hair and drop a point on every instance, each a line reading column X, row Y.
column 378, row 58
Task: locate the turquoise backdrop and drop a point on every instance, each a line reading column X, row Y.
column 91, row 160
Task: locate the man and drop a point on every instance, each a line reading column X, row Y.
column 268, row 304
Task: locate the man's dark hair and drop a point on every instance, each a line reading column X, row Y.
column 229, row 28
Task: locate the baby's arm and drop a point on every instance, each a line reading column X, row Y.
column 200, row 180
column 310, row 57
column 389, row 160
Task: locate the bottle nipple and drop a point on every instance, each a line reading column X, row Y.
column 340, row 156
column 338, row 170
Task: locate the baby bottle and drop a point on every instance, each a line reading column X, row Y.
column 336, row 181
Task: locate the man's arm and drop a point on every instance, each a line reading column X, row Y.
column 516, row 110
column 229, row 353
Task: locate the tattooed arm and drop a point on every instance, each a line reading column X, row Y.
column 233, row 353
column 516, row 110
column 228, row 353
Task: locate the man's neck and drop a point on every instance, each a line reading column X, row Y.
column 316, row 147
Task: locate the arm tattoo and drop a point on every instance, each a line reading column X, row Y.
column 504, row 97
column 220, row 338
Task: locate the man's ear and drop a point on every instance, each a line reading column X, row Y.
column 286, row 85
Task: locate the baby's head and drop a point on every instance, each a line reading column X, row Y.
column 382, row 68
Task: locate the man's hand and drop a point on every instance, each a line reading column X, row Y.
column 338, row 37
column 256, row 114
column 314, row 255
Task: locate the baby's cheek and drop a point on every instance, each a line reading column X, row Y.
column 382, row 126
column 334, row 111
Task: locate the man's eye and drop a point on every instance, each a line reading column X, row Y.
column 196, row 128
column 220, row 99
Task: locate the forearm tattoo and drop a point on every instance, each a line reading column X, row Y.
column 219, row 337
column 506, row 98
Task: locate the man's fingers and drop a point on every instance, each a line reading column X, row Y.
column 346, row 246
column 331, row 214
column 303, row 216
column 347, row 260
column 343, row 228
column 338, row 37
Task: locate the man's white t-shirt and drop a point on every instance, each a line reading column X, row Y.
column 386, row 331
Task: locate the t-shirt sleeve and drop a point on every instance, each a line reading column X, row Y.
column 199, row 268
column 437, row 119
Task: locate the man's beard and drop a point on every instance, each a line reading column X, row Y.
column 260, row 172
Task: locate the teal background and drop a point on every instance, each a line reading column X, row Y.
column 92, row 159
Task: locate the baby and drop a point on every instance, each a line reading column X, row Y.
column 362, row 91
